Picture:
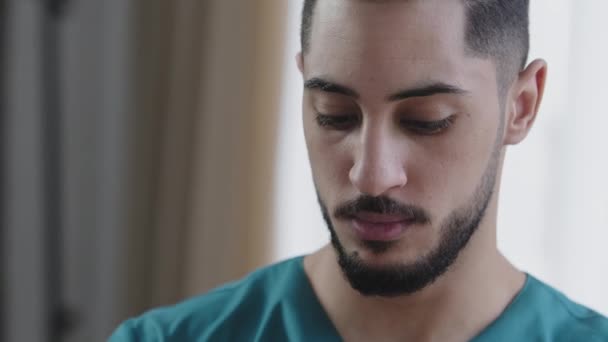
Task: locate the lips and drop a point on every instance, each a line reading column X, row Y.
column 380, row 227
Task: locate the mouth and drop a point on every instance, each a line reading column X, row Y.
column 380, row 227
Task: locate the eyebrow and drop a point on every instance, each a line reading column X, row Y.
column 330, row 87
column 427, row 90
column 430, row 89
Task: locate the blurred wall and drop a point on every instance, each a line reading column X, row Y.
column 92, row 93
column 166, row 115
column 3, row 270
column 25, row 306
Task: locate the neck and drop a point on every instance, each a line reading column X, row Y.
column 480, row 284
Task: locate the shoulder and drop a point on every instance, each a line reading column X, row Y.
column 565, row 319
column 215, row 314
column 541, row 313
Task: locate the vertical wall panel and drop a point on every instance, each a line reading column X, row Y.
column 23, row 249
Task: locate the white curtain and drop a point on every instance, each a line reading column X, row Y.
column 553, row 221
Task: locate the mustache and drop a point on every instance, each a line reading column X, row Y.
column 381, row 205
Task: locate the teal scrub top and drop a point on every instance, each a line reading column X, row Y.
column 277, row 303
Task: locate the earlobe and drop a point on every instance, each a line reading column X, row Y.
column 300, row 62
column 526, row 97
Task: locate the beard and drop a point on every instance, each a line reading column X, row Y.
column 398, row 279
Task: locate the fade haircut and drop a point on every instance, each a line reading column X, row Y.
column 496, row 29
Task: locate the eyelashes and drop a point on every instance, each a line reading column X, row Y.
column 429, row 127
column 337, row 122
column 349, row 122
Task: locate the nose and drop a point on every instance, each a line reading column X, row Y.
column 379, row 164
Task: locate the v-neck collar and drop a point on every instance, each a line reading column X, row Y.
column 318, row 320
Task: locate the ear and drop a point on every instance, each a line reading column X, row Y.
column 524, row 101
column 300, row 62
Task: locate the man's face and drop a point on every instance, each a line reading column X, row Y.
column 403, row 133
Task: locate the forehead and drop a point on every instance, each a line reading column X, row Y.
column 390, row 44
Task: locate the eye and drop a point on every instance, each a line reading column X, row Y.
column 428, row 127
column 337, row 122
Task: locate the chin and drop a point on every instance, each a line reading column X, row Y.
column 384, row 253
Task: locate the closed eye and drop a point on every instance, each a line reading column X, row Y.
column 428, row 127
column 337, row 122
column 350, row 121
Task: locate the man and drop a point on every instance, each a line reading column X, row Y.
column 409, row 106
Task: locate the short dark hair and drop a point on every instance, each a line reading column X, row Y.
column 496, row 29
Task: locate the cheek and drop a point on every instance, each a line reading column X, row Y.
column 330, row 161
column 446, row 174
column 330, row 164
